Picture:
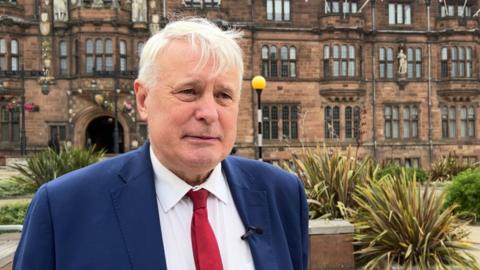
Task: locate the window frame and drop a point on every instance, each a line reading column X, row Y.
column 283, row 13
column 399, row 18
column 63, row 57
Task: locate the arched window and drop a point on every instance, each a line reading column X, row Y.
column 273, row 61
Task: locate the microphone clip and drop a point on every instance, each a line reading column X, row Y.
column 250, row 231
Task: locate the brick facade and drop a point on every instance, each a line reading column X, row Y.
column 71, row 98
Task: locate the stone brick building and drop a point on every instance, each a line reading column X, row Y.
column 400, row 79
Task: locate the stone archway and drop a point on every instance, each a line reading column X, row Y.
column 87, row 116
column 100, row 132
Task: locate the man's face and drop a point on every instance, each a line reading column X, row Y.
column 191, row 114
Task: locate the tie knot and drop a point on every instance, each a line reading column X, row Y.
column 199, row 198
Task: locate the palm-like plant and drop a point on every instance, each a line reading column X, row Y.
column 446, row 168
column 397, row 224
column 48, row 164
column 329, row 179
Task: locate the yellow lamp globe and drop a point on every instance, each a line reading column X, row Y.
column 259, row 82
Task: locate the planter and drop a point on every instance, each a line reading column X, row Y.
column 331, row 245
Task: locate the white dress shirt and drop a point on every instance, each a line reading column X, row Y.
column 175, row 211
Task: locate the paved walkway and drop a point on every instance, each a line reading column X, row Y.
column 8, row 245
column 475, row 238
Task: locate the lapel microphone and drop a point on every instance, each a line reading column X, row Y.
column 251, row 230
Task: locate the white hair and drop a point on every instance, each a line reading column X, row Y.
column 212, row 42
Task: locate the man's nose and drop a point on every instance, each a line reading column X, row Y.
column 207, row 109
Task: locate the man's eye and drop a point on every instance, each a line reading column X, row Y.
column 187, row 92
column 224, row 96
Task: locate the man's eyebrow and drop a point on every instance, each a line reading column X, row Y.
column 189, row 81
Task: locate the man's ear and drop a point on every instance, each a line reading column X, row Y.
column 141, row 95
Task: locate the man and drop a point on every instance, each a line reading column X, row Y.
column 178, row 202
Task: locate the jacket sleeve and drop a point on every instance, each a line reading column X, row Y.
column 36, row 250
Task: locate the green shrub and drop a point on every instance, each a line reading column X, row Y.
column 13, row 213
column 330, row 179
column 47, row 165
column 395, row 223
column 464, row 191
column 10, row 187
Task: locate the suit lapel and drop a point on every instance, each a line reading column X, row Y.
column 136, row 209
column 253, row 208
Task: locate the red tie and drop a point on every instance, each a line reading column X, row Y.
column 204, row 243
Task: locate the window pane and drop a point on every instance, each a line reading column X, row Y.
column 3, row 48
column 391, row 13
column 284, row 53
column 286, row 10
column 98, row 46
column 109, row 63
column 264, row 52
column 399, row 14
column 351, row 69
column 335, row 51
column 293, row 53
column 278, row 10
column 89, row 64
column 123, row 48
column 14, row 47
column 63, row 48
column 269, row 9
column 335, row 7
column 14, row 63
column 108, row 46
column 89, row 46
column 293, row 69
column 354, row 7
column 326, row 52
column 99, row 64
column 140, row 48
column 408, row 11
column 444, row 54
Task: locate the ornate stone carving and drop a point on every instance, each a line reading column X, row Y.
column 60, row 12
column 139, row 11
column 44, row 24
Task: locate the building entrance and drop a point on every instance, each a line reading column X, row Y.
column 100, row 133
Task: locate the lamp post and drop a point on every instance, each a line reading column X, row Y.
column 100, row 101
column 115, row 129
column 258, row 84
column 23, row 133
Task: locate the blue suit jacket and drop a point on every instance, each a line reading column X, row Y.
column 105, row 216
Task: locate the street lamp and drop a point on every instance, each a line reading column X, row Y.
column 258, row 84
column 115, row 129
column 99, row 99
column 23, row 134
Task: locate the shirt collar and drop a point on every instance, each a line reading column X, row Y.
column 170, row 189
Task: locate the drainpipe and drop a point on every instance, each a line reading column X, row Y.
column 430, row 127
column 374, row 86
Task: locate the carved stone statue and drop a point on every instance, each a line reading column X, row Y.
column 139, row 11
column 402, row 62
column 60, row 10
